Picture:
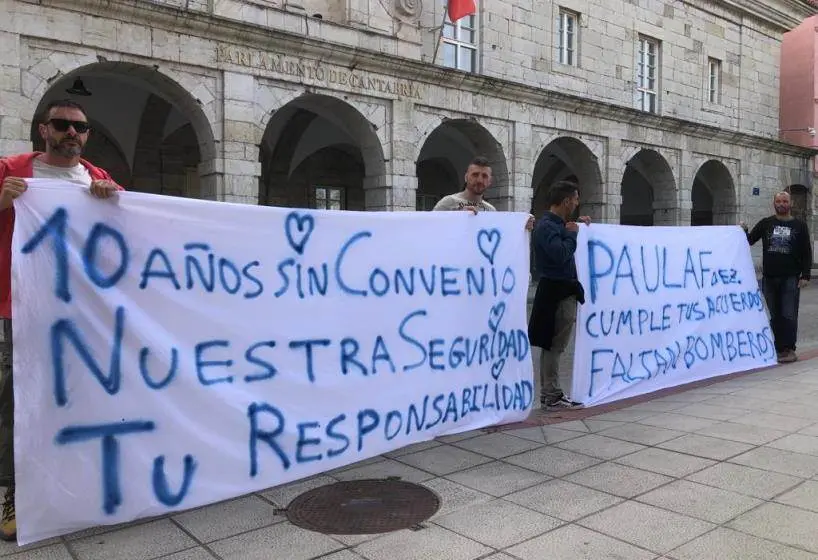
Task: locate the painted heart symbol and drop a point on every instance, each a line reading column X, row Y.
column 487, row 241
column 496, row 315
column 299, row 228
column 497, row 368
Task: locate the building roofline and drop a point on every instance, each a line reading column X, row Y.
column 260, row 37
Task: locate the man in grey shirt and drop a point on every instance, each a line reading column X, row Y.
column 477, row 181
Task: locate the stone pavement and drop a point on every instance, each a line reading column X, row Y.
column 727, row 471
column 724, row 471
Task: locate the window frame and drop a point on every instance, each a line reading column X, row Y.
column 567, row 54
column 462, row 26
column 713, row 77
column 327, row 199
column 645, row 92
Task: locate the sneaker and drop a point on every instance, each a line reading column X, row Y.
column 787, row 357
column 562, row 402
column 8, row 523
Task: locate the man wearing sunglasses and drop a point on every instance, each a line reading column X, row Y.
column 64, row 130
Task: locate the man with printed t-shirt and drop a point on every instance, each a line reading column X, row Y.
column 477, row 181
column 554, row 311
column 65, row 130
column 786, row 268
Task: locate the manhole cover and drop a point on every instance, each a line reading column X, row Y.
column 360, row 507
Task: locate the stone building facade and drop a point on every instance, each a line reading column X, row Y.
column 665, row 111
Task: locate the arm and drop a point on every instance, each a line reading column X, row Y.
column 10, row 188
column 757, row 232
column 559, row 249
column 805, row 249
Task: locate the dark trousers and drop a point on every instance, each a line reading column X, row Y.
column 6, row 407
column 783, row 297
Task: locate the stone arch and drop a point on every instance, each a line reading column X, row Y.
column 800, row 201
column 648, row 191
column 449, row 147
column 318, row 151
column 158, row 106
column 713, row 196
column 568, row 158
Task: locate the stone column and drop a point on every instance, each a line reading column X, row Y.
column 521, row 162
column 684, row 187
column 242, row 135
column 404, row 173
column 15, row 110
column 612, row 182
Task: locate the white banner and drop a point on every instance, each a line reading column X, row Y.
column 665, row 306
column 171, row 353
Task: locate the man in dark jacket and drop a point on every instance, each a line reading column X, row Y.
column 65, row 130
column 558, row 291
column 786, row 268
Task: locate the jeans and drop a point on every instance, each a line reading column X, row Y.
column 783, row 296
column 550, row 359
column 6, row 407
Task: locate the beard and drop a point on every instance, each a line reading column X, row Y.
column 782, row 210
column 67, row 147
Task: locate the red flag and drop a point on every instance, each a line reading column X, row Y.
column 460, row 8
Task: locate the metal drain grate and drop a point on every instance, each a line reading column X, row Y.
column 360, row 507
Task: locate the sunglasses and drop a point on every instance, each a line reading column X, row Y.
column 62, row 125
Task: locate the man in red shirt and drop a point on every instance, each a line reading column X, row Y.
column 65, row 131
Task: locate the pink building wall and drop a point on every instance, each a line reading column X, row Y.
column 799, row 90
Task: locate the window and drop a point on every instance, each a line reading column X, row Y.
column 714, row 80
column 647, row 74
column 425, row 202
column 329, row 198
column 568, row 37
column 460, row 43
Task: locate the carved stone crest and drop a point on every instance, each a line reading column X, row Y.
column 408, row 9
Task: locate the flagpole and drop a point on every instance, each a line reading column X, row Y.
column 440, row 36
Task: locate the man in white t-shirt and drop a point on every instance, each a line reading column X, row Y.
column 64, row 129
column 477, row 181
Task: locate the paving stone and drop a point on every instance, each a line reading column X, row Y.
column 774, row 421
column 498, row 478
column 230, row 518
column 600, row 446
column 444, row 459
column 745, row 480
column 618, row 480
column 778, row 460
column 563, row 500
column 665, row 462
column 725, row 544
column 705, row 446
column 454, row 496
column 575, row 542
column 679, row 422
column 552, row 461
column 699, row 501
column 647, row 526
column 711, row 411
column 498, row 524
column 638, row 433
column 497, row 445
column 742, row 433
column 51, row 552
column 141, row 542
column 430, row 543
column 385, row 469
column 798, row 443
column 279, row 541
column 780, row 523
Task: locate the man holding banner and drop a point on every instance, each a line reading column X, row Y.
column 65, row 130
column 477, row 181
column 558, row 291
column 786, row 268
